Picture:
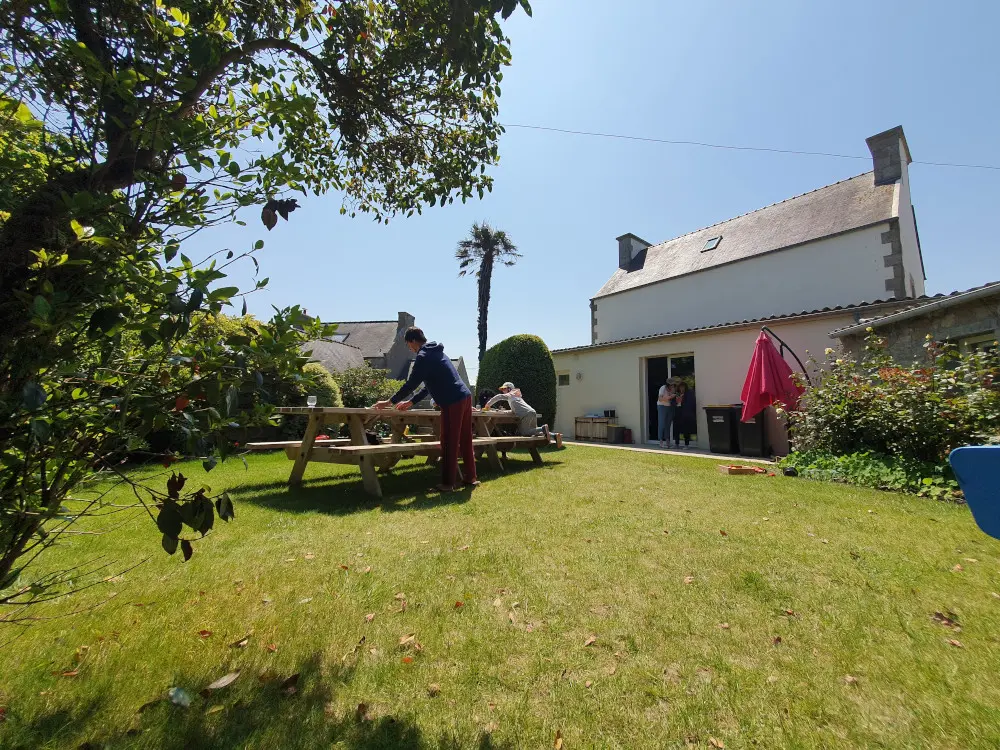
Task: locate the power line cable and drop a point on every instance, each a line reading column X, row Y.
column 703, row 144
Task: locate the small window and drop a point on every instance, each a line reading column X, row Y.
column 986, row 342
column 339, row 337
column 712, row 244
column 564, row 378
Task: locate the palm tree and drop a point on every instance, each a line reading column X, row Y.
column 484, row 247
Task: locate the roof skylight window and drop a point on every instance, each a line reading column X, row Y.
column 712, row 244
column 339, row 337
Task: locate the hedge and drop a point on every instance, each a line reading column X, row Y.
column 525, row 361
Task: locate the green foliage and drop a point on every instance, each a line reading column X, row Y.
column 484, row 248
column 316, row 381
column 525, row 361
column 917, row 412
column 362, row 386
column 878, row 472
column 127, row 127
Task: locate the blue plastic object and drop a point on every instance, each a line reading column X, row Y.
column 977, row 469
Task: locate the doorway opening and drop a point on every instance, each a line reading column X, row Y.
column 658, row 371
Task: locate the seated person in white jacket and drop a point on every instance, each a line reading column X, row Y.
column 527, row 427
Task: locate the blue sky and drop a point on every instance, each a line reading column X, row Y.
column 791, row 75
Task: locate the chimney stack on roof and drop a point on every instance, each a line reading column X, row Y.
column 629, row 246
column 888, row 151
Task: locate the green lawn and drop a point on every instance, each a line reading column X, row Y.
column 599, row 598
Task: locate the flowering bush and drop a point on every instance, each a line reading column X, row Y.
column 916, row 413
column 363, row 386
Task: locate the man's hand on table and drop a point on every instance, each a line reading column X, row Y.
column 382, row 405
column 404, row 405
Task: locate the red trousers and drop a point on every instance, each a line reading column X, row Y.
column 456, row 437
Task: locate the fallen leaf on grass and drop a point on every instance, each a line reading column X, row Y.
column 689, row 579
column 289, row 559
column 590, row 641
column 995, row 595
column 344, row 567
column 956, row 644
column 272, row 647
column 491, row 727
column 723, row 532
column 790, row 612
column 407, row 660
column 462, row 549
column 361, row 712
column 433, row 690
column 214, row 709
column 241, row 643
column 666, row 531
column 498, row 602
column 408, row 639
column 588, row 683
column 368, row 569
column 459, row 605
column 971, row 559
column 309, row 555
column 306, row 600
column 3, row 714
column 70, row 673
column 947, row 620
column 724, row 625
column 220, row 683
column 205, row 633
column 716, row 743
column 957, row 569
column 612, row 670
column 400, row 596
column 850, row 680
column 559, row 740
column 266, row 600
column 290, row 686
column 513, row 620
column 369, row 617
column 776, row 640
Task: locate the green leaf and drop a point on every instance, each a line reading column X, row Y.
column 81, row 231
column 232, row 400
column 41, row 307
column 187, row 549
column 244, row 306
column 170, row 251
column 169, row 544
column 258, row 244
column 224, row 506
column 210, row 464
column 103, row 321
column 33, row 396
column 41, row 429
column 169, row 521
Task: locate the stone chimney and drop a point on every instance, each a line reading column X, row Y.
column 629, row 246
column 890, row 155
column 405, row 321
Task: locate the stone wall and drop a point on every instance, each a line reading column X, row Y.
column 906, row 338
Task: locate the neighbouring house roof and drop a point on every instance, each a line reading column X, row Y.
column 459, row 363
column 920, row 306
column 333, row 356
column 373, row 337
column 834, row 209
column 873, row 305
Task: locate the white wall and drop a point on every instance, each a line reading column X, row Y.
column 908, row 233
column 834, row 271
column 614, row 377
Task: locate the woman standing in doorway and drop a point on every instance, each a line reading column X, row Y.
column 665, row 410
column 685, row 420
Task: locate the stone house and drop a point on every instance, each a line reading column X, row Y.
column 378, row 343
column 969, row 319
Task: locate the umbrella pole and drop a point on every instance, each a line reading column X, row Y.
column 784, row 346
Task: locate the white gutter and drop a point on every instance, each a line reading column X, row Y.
column 915, row 312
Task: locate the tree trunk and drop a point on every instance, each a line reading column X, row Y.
column 485, row 278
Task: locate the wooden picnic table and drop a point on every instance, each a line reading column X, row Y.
column 368, row 458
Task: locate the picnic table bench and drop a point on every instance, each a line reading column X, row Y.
column 368, row 458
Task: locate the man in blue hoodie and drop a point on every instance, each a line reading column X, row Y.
column 433, row 368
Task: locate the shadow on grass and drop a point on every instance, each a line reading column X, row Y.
column 250, row 712
column 406, row 488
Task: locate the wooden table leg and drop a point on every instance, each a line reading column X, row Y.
column 312, row 429
column 535, row 455
column 495, row 462
column 369, row 477
column 357, row 430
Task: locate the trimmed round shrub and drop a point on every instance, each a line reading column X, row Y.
column 316, row 381
column 525, row 361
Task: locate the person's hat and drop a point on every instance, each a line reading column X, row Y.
column 508, row 386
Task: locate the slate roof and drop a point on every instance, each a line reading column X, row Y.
column 834, row 209
column 742, row 323
column 936, row 301
column 333, row 356
column 373, row 337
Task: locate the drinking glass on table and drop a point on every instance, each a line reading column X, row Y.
column 311, row 401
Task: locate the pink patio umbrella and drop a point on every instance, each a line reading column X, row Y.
column 769, row 380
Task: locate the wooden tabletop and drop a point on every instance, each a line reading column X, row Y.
column 346, row 411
